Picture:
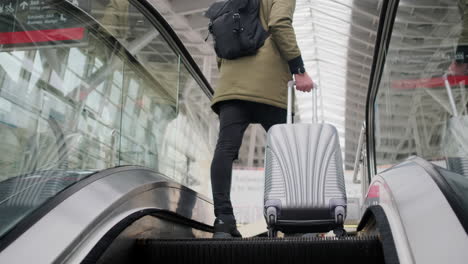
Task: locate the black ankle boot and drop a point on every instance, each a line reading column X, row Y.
column 225, row 227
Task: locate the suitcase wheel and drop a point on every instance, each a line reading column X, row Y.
column 340, row 219
column 272, row 232
column 272, row 216
column 340, row 212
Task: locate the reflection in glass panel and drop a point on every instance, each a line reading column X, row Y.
column 46, row 122
column 142, row 40
column 149, row 104
column 176, row 141
column 145, row 124
column 61, row 110
column 70, row 108
column 196, row 135
column 421, row 107
column 48, row 118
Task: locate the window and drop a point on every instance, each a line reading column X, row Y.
column 422, row 103
column 84, row 95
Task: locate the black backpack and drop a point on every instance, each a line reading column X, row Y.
column 236, row 28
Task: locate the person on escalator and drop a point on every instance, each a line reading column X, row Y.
column 253, row 89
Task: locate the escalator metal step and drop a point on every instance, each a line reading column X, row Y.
column 260, row 250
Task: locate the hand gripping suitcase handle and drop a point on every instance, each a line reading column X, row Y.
column 289, row 118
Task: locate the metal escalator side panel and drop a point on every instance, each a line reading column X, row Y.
column 74, row 226
column 418, row 210
column 21, row 198
column 379, row 194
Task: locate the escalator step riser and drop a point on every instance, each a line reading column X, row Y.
column 259, row 251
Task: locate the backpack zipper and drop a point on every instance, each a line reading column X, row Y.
column 236, row 18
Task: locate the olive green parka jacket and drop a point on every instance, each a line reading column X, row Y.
column 263, row 77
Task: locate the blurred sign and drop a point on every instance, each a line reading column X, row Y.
column 38, row 22
column 247, row 195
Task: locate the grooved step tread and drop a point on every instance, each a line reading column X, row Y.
column 260, row 250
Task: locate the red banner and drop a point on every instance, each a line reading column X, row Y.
column 42, row 35
column 428, row 82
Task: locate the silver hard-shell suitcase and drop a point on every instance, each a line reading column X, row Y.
column 304, row 179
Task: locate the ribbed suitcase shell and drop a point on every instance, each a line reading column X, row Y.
column 304, row 178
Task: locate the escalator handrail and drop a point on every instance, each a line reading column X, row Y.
column 174, row 41
column 24, row 224
column 384, row 34
column 449, row 193
column 98, row 250
column 388, row 243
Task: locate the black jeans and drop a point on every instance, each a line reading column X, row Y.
column 234, row 117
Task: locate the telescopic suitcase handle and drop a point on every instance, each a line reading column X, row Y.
column 289, row 118
column 291, row 85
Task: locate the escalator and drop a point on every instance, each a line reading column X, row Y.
column 155, row 236
column 146, row 218
column 87, row 88
column 113, row 86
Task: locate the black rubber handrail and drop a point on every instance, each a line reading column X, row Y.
column 384, row 33
column 377, row 213
column 32, row 218
column 450, row 194
column 98, row 250
column 174, row 41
